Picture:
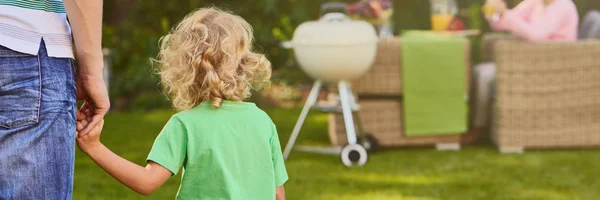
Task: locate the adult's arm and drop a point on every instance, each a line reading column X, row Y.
column 522, row 11
column 85, row 17
column 537, row 30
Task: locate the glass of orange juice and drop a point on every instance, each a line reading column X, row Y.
column 442, row 13
column 489, row 11
column 440, row 22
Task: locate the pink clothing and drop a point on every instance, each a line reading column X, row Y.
column 534, row 21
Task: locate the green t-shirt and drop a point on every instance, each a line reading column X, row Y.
column 232, row 152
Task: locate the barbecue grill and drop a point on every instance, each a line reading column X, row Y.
column 334, row 49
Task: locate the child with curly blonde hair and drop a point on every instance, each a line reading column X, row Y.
column 228, row 149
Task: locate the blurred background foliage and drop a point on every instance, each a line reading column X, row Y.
column 132, row 29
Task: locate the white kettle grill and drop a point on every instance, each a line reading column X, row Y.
column 334, row 49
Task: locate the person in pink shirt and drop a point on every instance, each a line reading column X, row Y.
column 537, row 20
column 532, row 20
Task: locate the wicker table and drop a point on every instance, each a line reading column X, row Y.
column 380, row 94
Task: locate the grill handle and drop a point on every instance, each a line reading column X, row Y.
column 334, row 5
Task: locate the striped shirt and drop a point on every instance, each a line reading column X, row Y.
column 24, row 23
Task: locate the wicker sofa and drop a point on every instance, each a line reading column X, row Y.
column 547, row 94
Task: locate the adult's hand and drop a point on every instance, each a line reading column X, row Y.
column 91, row 88
column 85, row 17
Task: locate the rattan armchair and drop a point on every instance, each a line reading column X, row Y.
column 547, row 94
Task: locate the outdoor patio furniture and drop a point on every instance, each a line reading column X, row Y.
column 382, row 118
column 381, row 112
column 547, row 93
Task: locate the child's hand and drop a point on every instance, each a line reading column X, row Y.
column 90, row 140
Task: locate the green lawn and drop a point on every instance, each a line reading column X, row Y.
column 425, row 174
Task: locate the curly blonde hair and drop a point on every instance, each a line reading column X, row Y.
column 209, row 57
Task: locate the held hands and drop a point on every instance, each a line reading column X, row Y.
column 91, row 140
column 91, row 88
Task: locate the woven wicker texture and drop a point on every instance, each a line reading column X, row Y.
column 548, row 94
column 383, row 119
column 488, row 43
column 384, row 77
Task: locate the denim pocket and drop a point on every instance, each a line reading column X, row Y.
column 20, row 89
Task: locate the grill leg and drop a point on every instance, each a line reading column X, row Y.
column 360, row 132
column 345, row 98
column 310, row 102
column 356, row 116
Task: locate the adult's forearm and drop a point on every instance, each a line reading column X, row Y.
column 85, row 17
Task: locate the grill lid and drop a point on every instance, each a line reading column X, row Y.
column 333, row 29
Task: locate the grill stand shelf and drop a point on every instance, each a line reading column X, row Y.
column 353, row 153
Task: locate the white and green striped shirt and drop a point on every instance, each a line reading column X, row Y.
column 24, row 23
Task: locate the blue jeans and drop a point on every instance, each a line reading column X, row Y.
column 37, row 126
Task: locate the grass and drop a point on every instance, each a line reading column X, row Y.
column 477, row 172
